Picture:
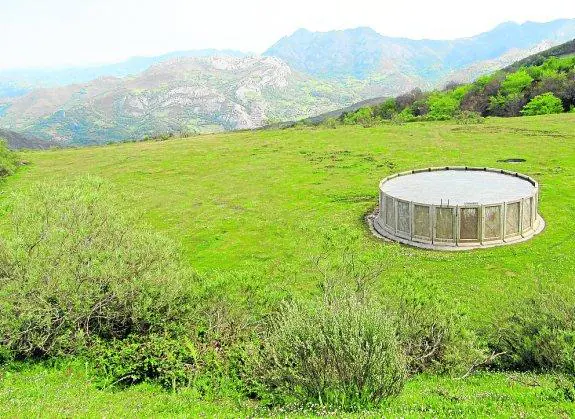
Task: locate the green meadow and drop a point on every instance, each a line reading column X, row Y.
column 252, row 212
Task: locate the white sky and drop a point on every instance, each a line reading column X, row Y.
column 56, row 33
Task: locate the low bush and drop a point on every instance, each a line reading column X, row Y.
column 543, row 104
column 339, row 351
column 170, row 361
column 468, row 118
column 355, row 345
column 74, row 267
column 363, row 116
column 538, row 336
column 330, row 123
column 433, row 333
column 405, row 115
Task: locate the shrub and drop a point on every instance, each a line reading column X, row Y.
column 511, row 105
column 209, row 356
column 171, row 362
column 405, row 115
column 330, row 123
column 363, row 116
column 432, row 332
column 516, row 83
column 442, row 106
column 339, row 352
column 468, row 118
column 73, row 267
column 543, row 104
column 538, row 336
column 386, row 110
column 8, row 161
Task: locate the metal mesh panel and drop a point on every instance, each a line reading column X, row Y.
column 421, row 221
column 403, row 218
column 389, row 212
column 512, row 221
column 469, row 224
column 527, row 208
column 444, row 223
column 492, row 217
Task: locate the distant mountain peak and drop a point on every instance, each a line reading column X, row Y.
column 363, row 53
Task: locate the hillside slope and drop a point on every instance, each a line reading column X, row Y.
column 17, row 141
column 255, row 211
column 566, row 49
column 283, row 188
column 502, row 93
column 187, row 94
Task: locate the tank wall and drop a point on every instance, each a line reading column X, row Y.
column 457, row 225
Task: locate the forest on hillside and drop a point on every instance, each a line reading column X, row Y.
column 545, row 87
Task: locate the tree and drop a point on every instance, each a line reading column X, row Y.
column 386, row 110
column 567, row 94
column 516, row 83
column 408, row 99
column 477, row 99
column 511, row 105
column 543, row 104
column 442, row 106
column 363, row 116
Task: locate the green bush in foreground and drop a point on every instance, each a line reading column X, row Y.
column 543, row 104
column 338, row 352
column 171, row 362
column 73, row 267
column 538, row 336
column 433, row 334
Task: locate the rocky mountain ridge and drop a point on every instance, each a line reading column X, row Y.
column 302, row 75
column 202, row 94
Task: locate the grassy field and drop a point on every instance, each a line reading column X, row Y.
column 70, row 390
column 252, row 209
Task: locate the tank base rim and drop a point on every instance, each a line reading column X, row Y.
column 381, row 233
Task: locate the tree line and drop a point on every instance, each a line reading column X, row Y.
column 545, row 88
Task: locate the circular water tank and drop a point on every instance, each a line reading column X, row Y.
column 456, row 208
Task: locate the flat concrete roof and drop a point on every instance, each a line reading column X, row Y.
column 458, row 187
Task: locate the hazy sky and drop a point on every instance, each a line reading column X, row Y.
column 58, row 33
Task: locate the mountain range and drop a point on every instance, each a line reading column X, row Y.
column 182, row 95
column 363, row 53
column 304, row 74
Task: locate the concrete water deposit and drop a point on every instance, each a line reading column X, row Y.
column 457, row 208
